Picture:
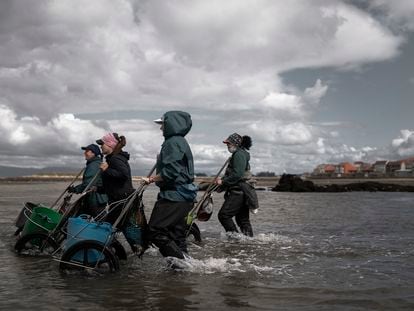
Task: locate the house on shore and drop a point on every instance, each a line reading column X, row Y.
column 346, row 168
column 324, row 169
column 382, row 168
column 401, row 168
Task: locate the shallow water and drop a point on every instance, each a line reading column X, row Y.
column 313, row 251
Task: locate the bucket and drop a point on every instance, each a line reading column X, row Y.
column 42, row 219
column 81, row 229
column 26, row 210
column 206, row 210
column 133, row 234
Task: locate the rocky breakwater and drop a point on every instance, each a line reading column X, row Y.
column 293, row 183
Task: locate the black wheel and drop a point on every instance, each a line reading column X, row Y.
column 89, row 255
column 36, row 244
column 119, row 250
column 195, row 232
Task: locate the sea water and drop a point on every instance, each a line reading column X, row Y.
column 311, row 251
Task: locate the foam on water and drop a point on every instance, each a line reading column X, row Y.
column 262, row 269
column 262, row 238
column 207, row 266
column 213, row 265
column 152, row 251
column 240, row 261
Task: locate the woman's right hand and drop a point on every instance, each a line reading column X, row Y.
column 103, row 166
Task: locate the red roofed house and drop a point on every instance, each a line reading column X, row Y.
column 323, row 169
column 347, row 168
column 329, row 169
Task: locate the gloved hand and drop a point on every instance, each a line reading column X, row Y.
column 71, row 189
column 93, row 188
column 254, row 211
column 148, row 180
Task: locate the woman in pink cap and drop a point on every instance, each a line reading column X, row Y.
column 116, row 172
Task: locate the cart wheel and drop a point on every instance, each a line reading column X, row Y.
column 89, row 255
column 36, row 244
column 119, row 250
column 195, row 232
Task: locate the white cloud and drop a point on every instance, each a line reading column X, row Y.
column 61, row 138
column 314, row 94
column 283, row 103
column 283, row 134
column 208, row 158
column 403, row 146
column 356, row 36
column 17, row 134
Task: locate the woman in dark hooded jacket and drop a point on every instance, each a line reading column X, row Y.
column 240, row 197
column 116, row 172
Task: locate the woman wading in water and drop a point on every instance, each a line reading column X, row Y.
column 240, row 196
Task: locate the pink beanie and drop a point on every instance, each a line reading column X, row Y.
column 109, row 140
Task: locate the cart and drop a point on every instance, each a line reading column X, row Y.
column 41, row 230
column 90, row 242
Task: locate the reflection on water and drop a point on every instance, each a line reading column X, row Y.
column 345, row 251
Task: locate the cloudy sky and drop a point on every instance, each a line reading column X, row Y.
column 310, row 81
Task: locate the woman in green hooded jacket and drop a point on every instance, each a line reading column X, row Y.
column 174, row 176
column 240, row 196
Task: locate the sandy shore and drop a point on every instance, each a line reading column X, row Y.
column 341, row 181
column 261, row 181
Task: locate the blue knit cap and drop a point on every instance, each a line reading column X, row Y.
column 94, row 148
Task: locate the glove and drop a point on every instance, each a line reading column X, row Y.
column 254, row 211
column 71, row 189
column 93, row 188
column 148, row 180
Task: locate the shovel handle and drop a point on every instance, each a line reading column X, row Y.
column 66, row 189
column 138, row 191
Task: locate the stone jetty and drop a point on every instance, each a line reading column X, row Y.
column 293, row 183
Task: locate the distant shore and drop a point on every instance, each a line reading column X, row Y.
column 261, row 181
column 273, row 181
column 408, row 181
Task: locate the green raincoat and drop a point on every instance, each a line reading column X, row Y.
column 175, row 162
column 93, row 198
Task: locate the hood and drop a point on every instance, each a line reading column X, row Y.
column 122, row 154
column 176, row 123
